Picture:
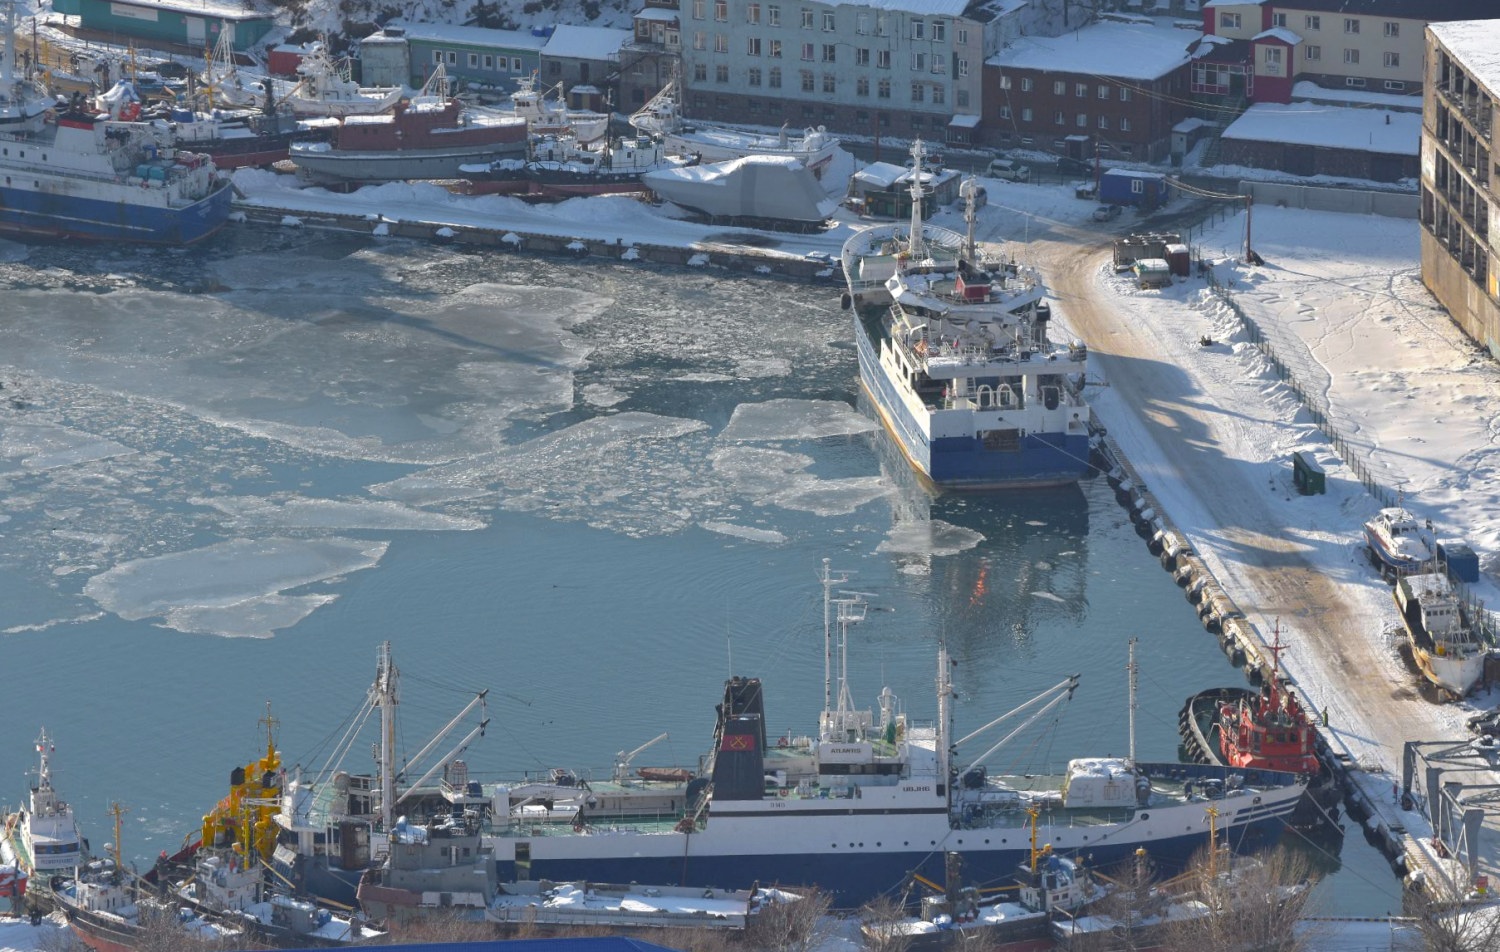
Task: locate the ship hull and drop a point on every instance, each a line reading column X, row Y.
column 92, row 211
column 963, row 462
column 353, row 167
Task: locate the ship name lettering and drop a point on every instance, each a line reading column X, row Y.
column 917, row 788
column 846, row 750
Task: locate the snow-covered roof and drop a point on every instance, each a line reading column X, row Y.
column 1279, row 33
column 1232, row 3
column 963, row 121
column 1330, row 127
column 587, row 42
column 1476, row 44
column 880, row 174
column 1125, row 50
column 1135, row 173
column 217, row 8
column 931, row 8
column 1307, row 89
column 474, row 36
column 1190, row 124
column 656, row 13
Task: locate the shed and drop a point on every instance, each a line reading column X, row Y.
column 1178, row 259
column 1307, row 475
column 384, row 59
column 884, row 189
column 1146, row 191
column 1152, row 272
column 188, row 25
column 1462, row 563
column 473, row 54
column 284, row 58
column 1132, row 248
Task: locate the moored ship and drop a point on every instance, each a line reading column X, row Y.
column 42, row 839
column 1264, row 729
column 81, row 175
column 954, row 354
column 561, row 166
column 866, row 802
column 1399, row 544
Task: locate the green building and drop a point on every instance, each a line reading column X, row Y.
column 192, row 24
column 474, row 54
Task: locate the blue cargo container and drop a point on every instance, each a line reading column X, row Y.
column 1463, row 564
column 1147, row 191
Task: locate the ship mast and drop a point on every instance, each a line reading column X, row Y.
column 1131, row 667
column 839, row 722
column 385, row 697
column 916, row 247
column 830, row 579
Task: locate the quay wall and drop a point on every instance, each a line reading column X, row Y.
column 738, row 258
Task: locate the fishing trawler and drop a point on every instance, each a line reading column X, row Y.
column 1439, row 627
column 868, row 800
column 955, row 356
column 42, row 838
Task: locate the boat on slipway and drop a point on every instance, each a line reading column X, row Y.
column 661, row 117
column 955, row 356
column 1445, row 644
column 560, row 166
column 547, row 116
column 325, row 88
column 430, row 136
column 868, row 800
column 1399, row 543
column 1266, row 728
column 69, row 172
column 42, row 838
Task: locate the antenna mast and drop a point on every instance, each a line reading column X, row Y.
column 1131, row 667
column 830, row 579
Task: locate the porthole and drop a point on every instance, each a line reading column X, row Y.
column 1145, row 816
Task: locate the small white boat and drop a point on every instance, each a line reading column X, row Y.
column 43, row 838
column 1444, row 644
column 1399, row 543
column 326, row 89
column 546, row 116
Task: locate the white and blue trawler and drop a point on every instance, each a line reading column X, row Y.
column 954, row 354
column 874, row 798
column 69, row 172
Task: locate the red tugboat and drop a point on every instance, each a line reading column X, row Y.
column 1268, row 729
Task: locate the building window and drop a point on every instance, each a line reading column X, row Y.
column 721, row 10
column 939, row 64
column 1278, row 19
column 1058, row 119
column 554, row 68
column 962, row 99
column 1026, row 84
column 721, row 42
column 862, row 57
column 1273, row 57
column 939, row 31
column 1312, row 52
column 807, row 19
column 1082, row 121
column 753, row 105
column 1358, row 82
column 1103, row 91
column 828, row 25
column 1392, row 60
column 755, row 76
column 862, row 86
column 1351, row 57
column 882, row 59
column 807, row 80
column 807, row 52
column 882, row 28
column 437, row 56
column 963, row 35
column 775, row 49
column 1004, row 82
column 919, row 29
column 1351, row 25
column 883, row 89
column 918, row 92
column 489, row 62
column 1025, row 113
column 1229, row 21
column 1004, row 112
column 1104, row 123
column 1392, row 29
column 1080, row 89
column 862, row 24
column 1395, row 86
column 830, row 85
column 474, row 61
column 919, row 62
column 773, row 15
column 700, row 72
column 698, row 9
column 1124, row 94
column 773, row 78
column 939, row 96
column 1314, row 22
column 752, row 13
column 752, row 46
column 829, row 53
column 1125, row 127
column 1059, row 88
column 453, row 58
column 721, row 73
column 700, row 40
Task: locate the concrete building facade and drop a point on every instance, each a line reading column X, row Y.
column 1460, row 210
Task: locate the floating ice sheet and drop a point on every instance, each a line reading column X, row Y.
column 929, row 538
column 304, row 513
column 795, row 420
column 46, row 446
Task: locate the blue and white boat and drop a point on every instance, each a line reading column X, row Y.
column 955, row 355
column 872, row 798
column 1399, row 543
column 68, row 172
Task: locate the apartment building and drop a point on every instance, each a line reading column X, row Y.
column 1115, row 88
column 1261, row 48
column 651, row 56
column 1460, row 211
column 897, row 67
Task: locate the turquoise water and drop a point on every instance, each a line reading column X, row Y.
column 596, row 491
